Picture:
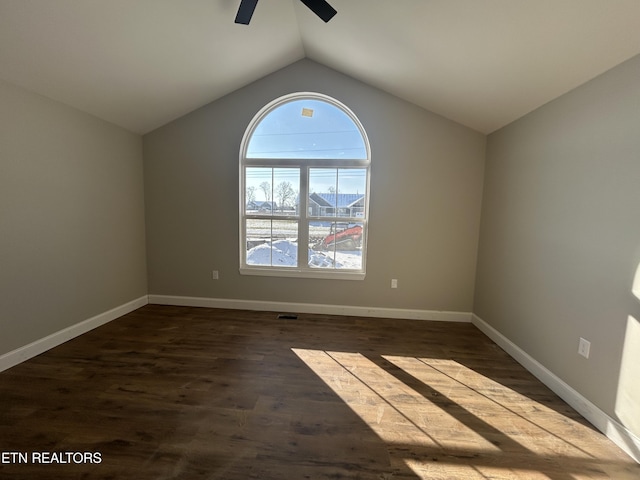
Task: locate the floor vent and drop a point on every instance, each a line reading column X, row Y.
column 287, row 316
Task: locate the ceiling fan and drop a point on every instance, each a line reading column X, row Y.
column 320, row 7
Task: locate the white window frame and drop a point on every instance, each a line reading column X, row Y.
column 303, row 218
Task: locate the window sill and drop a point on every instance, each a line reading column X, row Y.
column 299, row 273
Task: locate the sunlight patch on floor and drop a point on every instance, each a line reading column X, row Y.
column 498, row 408
column 384, row 402
column 444, row 420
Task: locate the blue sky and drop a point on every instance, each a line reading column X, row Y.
column 307, row 129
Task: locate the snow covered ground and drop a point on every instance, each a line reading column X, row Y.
column 284, row 253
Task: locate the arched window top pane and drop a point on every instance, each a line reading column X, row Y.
column 307, row 129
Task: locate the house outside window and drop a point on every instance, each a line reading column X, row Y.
column 304, row 190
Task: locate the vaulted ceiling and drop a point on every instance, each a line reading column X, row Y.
column 482, row 63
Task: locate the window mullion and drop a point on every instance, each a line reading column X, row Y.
column 303, row 224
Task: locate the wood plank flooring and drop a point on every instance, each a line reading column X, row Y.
column 195, row 393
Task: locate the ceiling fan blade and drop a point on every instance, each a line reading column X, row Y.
column 321, row 8
column 245, row 11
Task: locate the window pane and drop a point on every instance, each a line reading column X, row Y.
column 323, row 183
column 272, row 243
column 286, row 187
column 307, row 129
column 352, row 187
column 335, row 245
column 259, row 191
column 272, row 191
column 337, row 192
column 258, row 234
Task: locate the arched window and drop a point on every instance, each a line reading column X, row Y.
column 304, row 190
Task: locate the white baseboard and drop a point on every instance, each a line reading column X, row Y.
column 21, row 354
column 613, row 429
column 288, row 307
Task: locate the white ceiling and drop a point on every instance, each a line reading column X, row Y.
column 482, row 63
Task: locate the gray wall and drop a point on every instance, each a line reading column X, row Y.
column 560, row 238
column 71, row 217
column 426, row 191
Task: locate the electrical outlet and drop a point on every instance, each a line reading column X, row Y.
column 215, row 275
column 583, row 347
column 394, row 283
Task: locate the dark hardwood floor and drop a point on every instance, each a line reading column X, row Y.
column 195, row 393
